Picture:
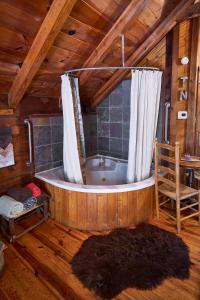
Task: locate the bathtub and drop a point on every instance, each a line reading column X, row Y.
column 105, row 202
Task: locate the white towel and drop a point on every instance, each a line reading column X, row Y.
column 9, row 207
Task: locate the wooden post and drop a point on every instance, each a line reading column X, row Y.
column 174, row 83
column 156, row 177
column 177, row 170
column 193, row 86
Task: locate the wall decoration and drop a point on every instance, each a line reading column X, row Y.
column 183, row 94
column 6, row 148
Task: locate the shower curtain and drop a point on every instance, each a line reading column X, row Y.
column 145, row 99
column 73, row 134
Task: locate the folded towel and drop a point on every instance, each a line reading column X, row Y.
column 19, row 194
column 9, row 207
column 43, row 197
column 29, row 203
column 36, row 191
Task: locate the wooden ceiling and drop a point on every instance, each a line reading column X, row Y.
column 90, row 36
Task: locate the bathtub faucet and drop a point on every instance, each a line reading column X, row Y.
column 102, row 161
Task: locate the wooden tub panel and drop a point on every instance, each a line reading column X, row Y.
column 82, row 210
column 112, row 207
column 100, row 211
column 132, row 208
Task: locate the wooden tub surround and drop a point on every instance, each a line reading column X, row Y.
column 100, row 211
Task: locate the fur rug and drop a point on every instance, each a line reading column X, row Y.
column 141, row 258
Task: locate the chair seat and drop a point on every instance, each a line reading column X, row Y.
column 185, row 191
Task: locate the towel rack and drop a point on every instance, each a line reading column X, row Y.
column 167, row 107
column 28, row 123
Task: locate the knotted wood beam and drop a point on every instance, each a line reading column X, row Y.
column 52, row 24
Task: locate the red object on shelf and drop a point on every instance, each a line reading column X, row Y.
column 36, row 191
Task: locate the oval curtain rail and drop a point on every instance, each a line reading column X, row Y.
column 70, row 72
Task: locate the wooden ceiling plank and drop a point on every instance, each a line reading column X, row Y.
column 75, row 22
column 97, row 11
column 131, row 12
column 6, row 112
column 89, row 15
column 111, row 9
column 8, row 68
column 53, row 22
column 151, row 41
column 14, row 19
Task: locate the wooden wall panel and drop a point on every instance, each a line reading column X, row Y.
column 20, row 174
column 181, row 47
column 100, row 211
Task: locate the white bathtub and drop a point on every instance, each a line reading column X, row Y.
column 108, row 177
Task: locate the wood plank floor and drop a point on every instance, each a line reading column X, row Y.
column 38, row 266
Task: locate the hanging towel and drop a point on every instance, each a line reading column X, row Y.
column 9, row 207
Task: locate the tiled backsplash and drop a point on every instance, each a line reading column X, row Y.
column 90, row 131
column 107, row 132
column 48, row 142
column 113, row 121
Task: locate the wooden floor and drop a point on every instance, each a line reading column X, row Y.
column 38, row 267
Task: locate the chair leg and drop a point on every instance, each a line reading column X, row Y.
column 199, row 205
column 172, row 203
column 157, row 203
column 12, row 229
column 178, row 216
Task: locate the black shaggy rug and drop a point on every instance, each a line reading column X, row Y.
column 141, row 258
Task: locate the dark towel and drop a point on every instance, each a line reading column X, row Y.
column 30, row 202
column 20, row 194
column 43, row 197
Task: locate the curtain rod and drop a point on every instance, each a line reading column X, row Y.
column 111, row 68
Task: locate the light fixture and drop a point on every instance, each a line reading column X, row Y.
column 184, row 60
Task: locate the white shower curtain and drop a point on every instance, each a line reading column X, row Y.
column 71, row 155
column 145, row 99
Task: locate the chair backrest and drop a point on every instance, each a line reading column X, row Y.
column 167, row 160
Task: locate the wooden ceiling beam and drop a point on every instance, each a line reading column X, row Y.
column 130, row 13
column 151, row 41
column 192, row 12
column 52, row 24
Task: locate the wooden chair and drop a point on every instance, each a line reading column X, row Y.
column 197, row 178
column 167, row 182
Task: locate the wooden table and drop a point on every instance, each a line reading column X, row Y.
column 194, row 163
column 190, row 165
